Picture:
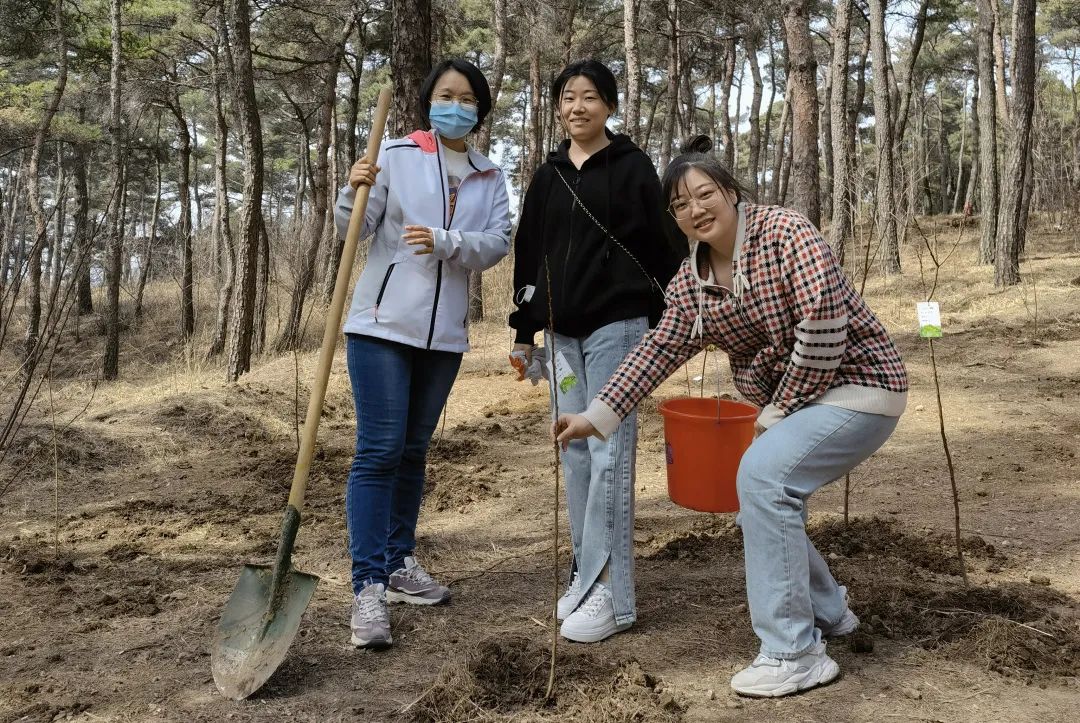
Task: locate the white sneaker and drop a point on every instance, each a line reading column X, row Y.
column 594, row 619
column 571, row 596
column 771, row 677
column 848, row 623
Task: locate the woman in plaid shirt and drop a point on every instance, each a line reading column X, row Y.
column 762, row 285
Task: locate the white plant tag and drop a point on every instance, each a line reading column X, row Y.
column 929, row 319
column 564, row 376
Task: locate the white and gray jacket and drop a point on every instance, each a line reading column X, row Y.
column 423, row 301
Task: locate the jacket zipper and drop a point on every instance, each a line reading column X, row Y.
column 382, row 289
column 435, row 306
column 570, row 240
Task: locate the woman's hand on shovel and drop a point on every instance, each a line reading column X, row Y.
column 572, row 426
column 363, row 172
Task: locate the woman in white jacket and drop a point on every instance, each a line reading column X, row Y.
column 438, row 210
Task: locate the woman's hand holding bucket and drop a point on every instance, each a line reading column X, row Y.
column 571, row 426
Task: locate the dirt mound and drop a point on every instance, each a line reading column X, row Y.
column 457, row 486
column 78, row 449
column 210, row 419
column 509, row 676
column 1020, row 630
column 451, row 449
column 883, row 540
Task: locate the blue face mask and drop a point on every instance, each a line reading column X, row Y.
column 452, row 120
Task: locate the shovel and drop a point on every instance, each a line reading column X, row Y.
column 264, row 610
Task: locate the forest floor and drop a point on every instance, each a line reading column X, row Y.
column 115, row 569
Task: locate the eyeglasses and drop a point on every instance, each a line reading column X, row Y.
column 466, row 103
column 680, row 208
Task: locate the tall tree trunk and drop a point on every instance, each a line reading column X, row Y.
column 242, row 79
column 356, row 72
column 183, row 226
column 114, row 257
column 33, row 198
column 324, row 182
column 775, row 194
column 727, row 79
column 752, row 43
column 999, row 61
column 825, row 144
column 885, row 223
column 672, row 84
column 222, row 227
column 536, row 101
column 909, row 73
column 1010, row 231
column 840, row 228
column 483, row 143
column 976, row 152
column 763, row 161
column 988, row 196
column 262, row 289
column 802, row 86
column 82, row 241
column 959, row 185
column 144, row 262
column 7, row 238
column 632, row 119
column 498, row 70
column 410, row 60
column 945, row 165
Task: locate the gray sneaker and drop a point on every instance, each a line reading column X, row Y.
column 370, row 622
column 412, row 584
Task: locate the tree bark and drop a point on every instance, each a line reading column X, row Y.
column 885, row 219
column 988, row 196
column 672, row 84
column 976, row 150
column 241, row 328
column 1010, row 230
column 33, row 198
column 81, row 232
column 752, row 43
column 536, row 101
column 632, row 118
column 909, row 72
column 222, row 227
column 114, row 257
column 145, row 260
column 999, row 62
column 727, row 79
column 802, row 86
column 183, row 227
column 410, row 61
column 840, row 228
column 775, row 195
column 498, row 70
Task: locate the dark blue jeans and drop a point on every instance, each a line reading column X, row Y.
column 399, row 392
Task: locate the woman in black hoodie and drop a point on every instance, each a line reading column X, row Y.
column 591, row 262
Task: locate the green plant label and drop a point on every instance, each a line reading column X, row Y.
column 929, row 319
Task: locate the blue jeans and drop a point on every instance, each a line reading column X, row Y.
column 600, row 473
column 788, row 586
column 399, row 392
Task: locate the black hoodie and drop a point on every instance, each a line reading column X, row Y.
column 593, row 281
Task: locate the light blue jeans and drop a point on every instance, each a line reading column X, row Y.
column 789, row 588
column 600, row 473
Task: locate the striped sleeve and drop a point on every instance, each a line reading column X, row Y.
column 658, row 356
column 818, row 294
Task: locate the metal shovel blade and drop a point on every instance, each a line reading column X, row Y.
column 257, row 628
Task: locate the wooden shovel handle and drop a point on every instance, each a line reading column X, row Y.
column 333, row 314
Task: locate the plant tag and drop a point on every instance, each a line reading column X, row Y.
column 563, row 375
column 929, row 319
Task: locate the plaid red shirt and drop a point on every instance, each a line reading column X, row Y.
column 797, row 329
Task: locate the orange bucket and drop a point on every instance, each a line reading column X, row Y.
column 705, row 440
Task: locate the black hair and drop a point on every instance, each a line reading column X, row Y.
column 600, row 75
column 477, row 82
column 695, row 153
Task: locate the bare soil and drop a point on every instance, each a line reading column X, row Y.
column 125, row 525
